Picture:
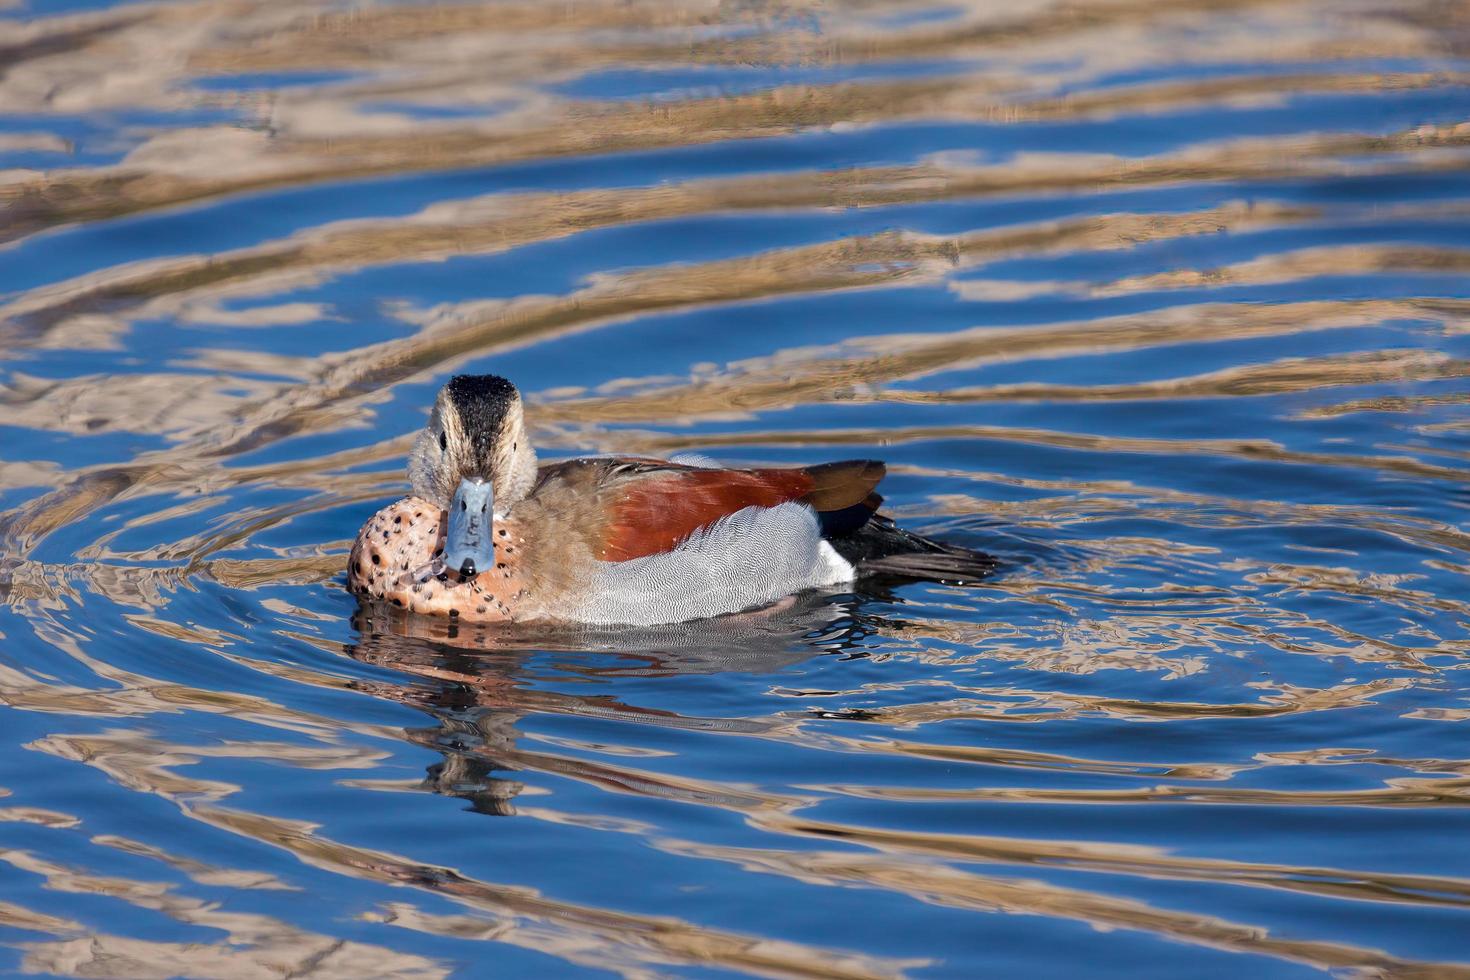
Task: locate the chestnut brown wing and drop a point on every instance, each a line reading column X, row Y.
column 653, row 508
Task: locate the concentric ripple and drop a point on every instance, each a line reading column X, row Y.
column 1164, row 303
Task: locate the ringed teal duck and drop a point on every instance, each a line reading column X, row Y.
column 489, row 536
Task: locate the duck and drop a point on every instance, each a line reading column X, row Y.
column 489, row 535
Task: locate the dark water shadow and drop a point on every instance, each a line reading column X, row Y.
column 475, row 681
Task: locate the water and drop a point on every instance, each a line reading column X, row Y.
column 1165, row 304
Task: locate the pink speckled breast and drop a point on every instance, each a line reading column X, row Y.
column 399, row 540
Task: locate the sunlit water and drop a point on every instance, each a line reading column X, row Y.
column 1166, row 304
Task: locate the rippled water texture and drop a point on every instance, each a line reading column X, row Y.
column 1164, row 302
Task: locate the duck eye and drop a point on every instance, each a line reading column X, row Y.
column 443, row 443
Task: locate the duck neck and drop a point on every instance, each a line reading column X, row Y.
column 516, row 478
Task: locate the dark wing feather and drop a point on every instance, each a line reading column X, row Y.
column 881, row 547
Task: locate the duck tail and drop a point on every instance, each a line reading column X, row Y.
column 881, row 547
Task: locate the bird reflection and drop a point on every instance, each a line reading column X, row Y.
column 476, row 674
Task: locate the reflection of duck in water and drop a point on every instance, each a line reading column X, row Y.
column 487, row 536
column 470, row 681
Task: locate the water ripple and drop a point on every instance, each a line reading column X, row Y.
column 1164, row 303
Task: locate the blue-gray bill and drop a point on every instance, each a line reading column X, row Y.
column 468, row 547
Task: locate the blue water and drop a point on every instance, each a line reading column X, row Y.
column 1162, row 304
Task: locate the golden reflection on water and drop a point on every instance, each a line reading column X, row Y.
column 173, row 541
column 897, row 869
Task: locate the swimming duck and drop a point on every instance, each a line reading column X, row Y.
column 487, row 535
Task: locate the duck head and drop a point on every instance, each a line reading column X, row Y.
column 473, row 459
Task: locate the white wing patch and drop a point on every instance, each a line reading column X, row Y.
column 698, row 460
column 751, row 558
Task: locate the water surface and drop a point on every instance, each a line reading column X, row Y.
column 1166, row 304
